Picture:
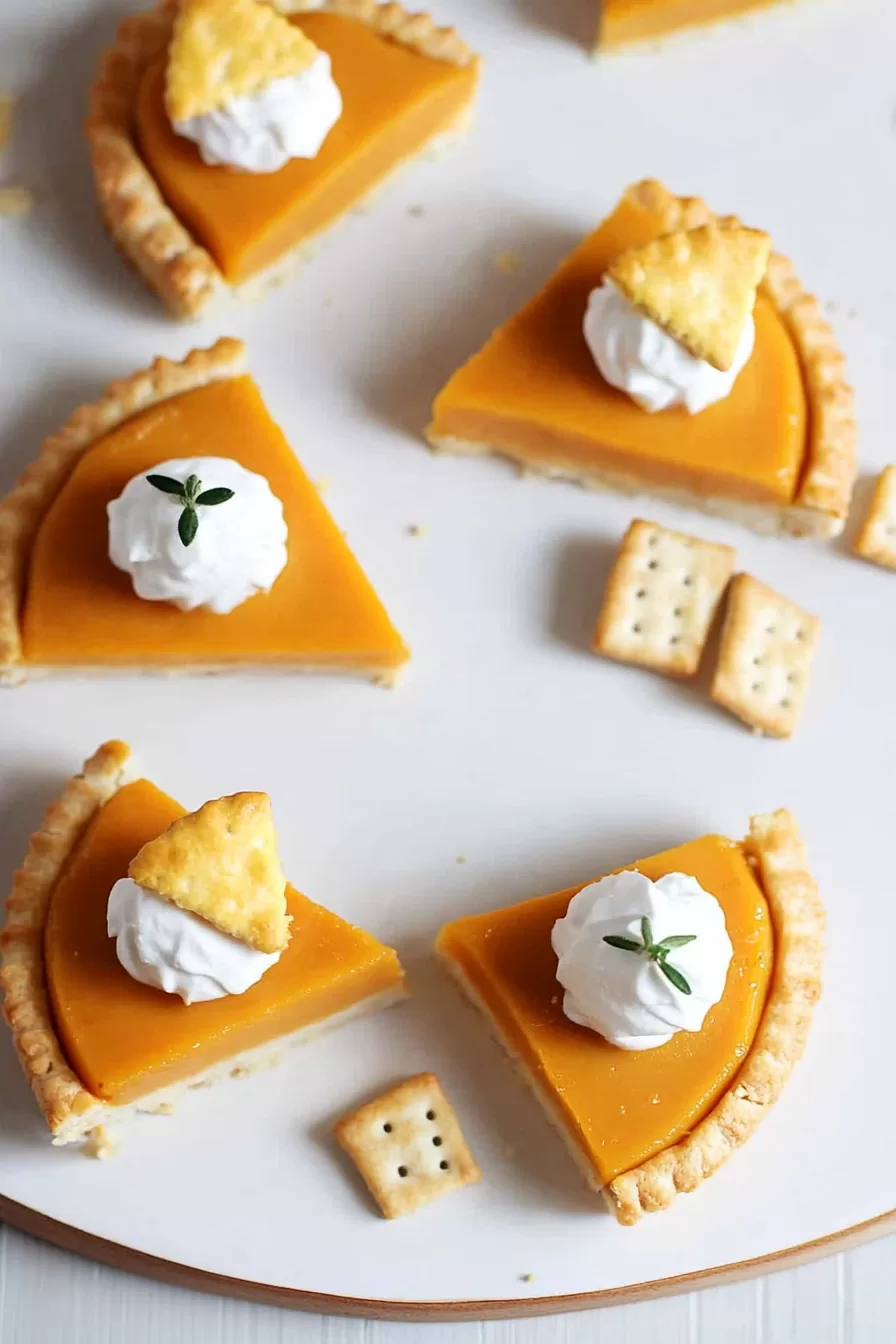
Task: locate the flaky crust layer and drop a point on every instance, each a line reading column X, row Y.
column 24, row 507
column 140, row 222
column 829, row 471
column 57, row 1089
column 776, row 848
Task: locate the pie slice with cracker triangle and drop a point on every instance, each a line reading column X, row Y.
column 97, row 1045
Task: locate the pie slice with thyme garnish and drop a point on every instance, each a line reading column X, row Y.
column 258, row 577
column 645, row 1124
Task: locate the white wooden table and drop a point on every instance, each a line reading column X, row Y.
column 50, row 1297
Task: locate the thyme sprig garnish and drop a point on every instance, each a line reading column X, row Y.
column 190, row 493
column 656, row 952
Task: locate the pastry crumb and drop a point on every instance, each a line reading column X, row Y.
column 164, row 1108
column 416, row 211
column 99, row 1143
column 15, row 201
column 416, row 530
column 507, row 262
column 527, row 1278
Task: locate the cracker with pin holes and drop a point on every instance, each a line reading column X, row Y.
column 877, row 540
column 765, row 657
column 408, row 1146
column 661, row 597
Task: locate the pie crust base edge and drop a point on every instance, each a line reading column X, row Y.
column 777, row 852
column 70, row 1111
column 829, row 470
column 141, row 223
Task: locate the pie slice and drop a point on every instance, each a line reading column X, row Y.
column 221, row 863
column 646, row 1125
column 97, row 1045
column 778, row 453
column 197, row 232
column 65, row 608
column 625, row 22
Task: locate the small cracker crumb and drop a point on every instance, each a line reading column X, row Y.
column 100, row 1144
column 416, row 530
column 15, row 201
column 508, row 262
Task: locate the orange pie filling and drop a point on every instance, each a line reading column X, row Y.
column 534, row 393
column 125, row 1040
column 618, row 1107
column 79, row 610
column 395, row 101
column 624, row 21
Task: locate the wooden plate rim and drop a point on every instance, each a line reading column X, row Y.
column 184, row 1276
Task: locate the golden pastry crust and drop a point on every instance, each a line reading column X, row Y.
column 140, row 222
column 408, row 1145
column 221, row 863
column 24, row 507
column 57, row 1089
column 829, row 470
column 661, row 598
column 876, row 540
column 699, row 286
column 777, row 851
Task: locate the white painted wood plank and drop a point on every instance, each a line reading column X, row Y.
column 805, row 1304
column 730, row 1314
column 49, row 1297
column 869, row 1281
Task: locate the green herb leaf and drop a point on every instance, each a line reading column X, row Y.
column 627, row 944
column 188, row 525
column 219, row 495
column 191, row 487
column 675, row 977
column 647, row 933
column 676, row 940
column 168, row 485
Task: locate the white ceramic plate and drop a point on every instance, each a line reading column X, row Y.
column 508, row 743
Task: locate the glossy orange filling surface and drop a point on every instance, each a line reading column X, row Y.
column 394, row 101
column 534, row 392
column 619, row 1107
column 80, row 610
column 625, row 21
column 124, row 1039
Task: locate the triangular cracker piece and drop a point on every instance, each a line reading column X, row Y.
column 226, row 49
column 698, row 285
column 221, row 863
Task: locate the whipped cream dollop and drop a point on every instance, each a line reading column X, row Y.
column 168, row 948
column 289, row 119
column 624, row 994
column 637, row 356
column 239, row 547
